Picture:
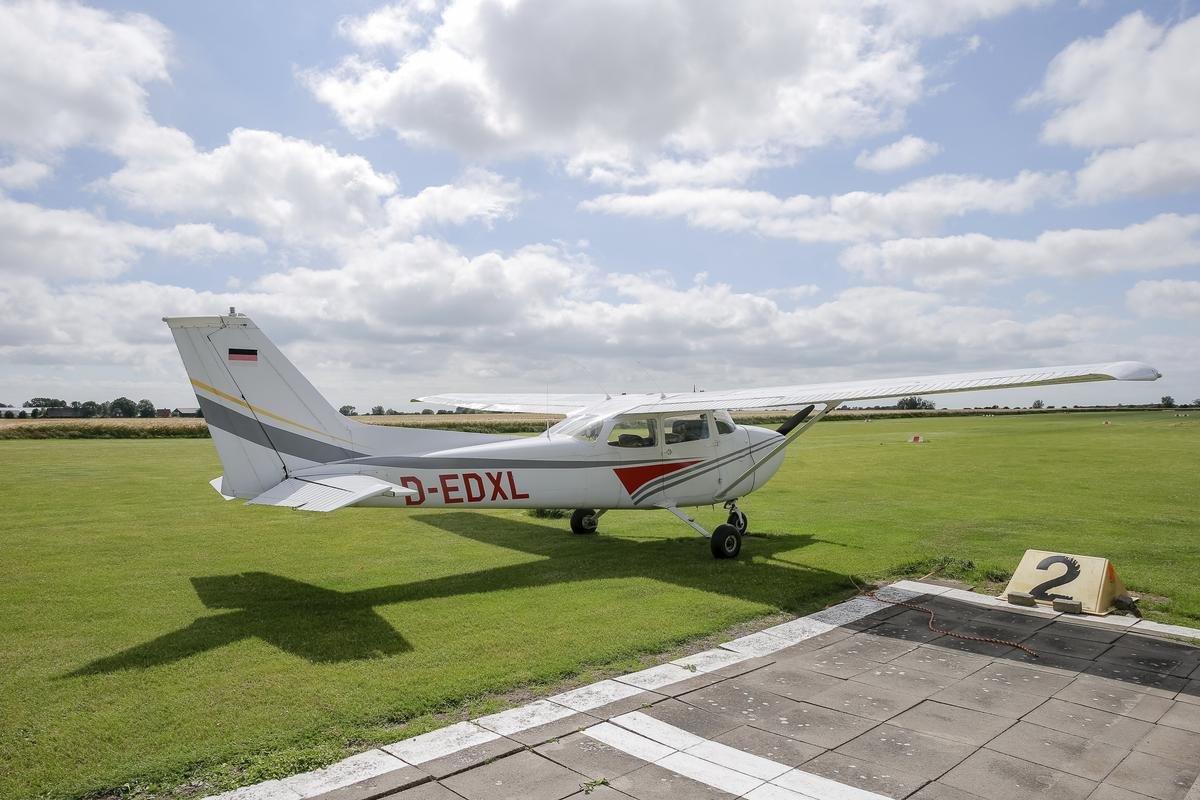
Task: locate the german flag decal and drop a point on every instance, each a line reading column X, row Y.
column 240, row 354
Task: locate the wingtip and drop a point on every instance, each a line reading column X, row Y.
column 1133, row 371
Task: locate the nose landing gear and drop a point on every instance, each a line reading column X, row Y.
column 737, row 517
column 585, row 521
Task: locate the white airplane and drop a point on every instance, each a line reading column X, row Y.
column 282, row 444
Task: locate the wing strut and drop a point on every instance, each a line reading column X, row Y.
column 808, row 422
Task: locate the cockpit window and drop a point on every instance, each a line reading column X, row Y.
column 586, row 427
column 725, row 424
column 633, row 433
column 687, row 428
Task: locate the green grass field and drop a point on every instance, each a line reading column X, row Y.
column 152, row 635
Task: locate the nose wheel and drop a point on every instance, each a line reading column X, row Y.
column 737, row 518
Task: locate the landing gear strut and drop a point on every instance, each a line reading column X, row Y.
column 737, row 517
column 585, row 521
column 725, row 541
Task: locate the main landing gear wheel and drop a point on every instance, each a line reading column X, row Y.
column 737, row 518
column 726, row 542
column 584, row 521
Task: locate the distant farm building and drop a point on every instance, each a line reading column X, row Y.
column 190, row 411
column 61, row 413
column 162, row 412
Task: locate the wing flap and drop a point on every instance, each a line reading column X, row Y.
column 327, row 493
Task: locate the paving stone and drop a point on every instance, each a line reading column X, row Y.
column 1019, row 678
column 599, row 793
column 1108, row 695
column 940, row 791
column 435, row 744
column 1158, row 683
column 524, row 776
column 1173, row 743
column 470, row 757
column 990, row 630
column 1053, row 642
column 1190, row 693
column 910, row 630
column 790, row 681
column 1161, row 778
column 1040, row 659
column 982, row 695
column 698, row 681
column 1182, row 715
column 426, row 791
column 385, row 784
column 1081, row 629
column 987, row 649
column 815, row 725
column 953, row 722
column 913, row 681
column 907, row 750
column 267, row 790
column 616, row 708
column 655, row 677
column 590, row 757
column 521, row 718
column 880, row 649
column 1087, row 758
column 828, row 662
column 765, row 744
column 873, row 702
column 355, row 769
column 1142, row 653
column 996, row 776
column 742, row 667
column 759, row 644
column 597, row 695
column 1106, row 791
column 941, row 661
column 553, row 730
column 863, row 774
column 652, row 782
column 1090, row 723
column 710, row 660
column 703, row 723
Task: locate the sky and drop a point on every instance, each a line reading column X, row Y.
column 641, row 195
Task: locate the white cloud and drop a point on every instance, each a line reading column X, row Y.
column 395, row 27
column 917, row 207
column 75, row 243
column 1166, row 241
column 73, row 75
column 296, row 190
column 901, row 154
column 1171, row 299
column 1154, row 167
column 1136, row 82
column 23, row 174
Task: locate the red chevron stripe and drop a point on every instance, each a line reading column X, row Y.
column 634, row 478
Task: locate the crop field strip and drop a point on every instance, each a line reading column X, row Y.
column 155, row 635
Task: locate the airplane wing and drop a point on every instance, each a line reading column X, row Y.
column 532, row 403
column 804, row 394
column 327, row 493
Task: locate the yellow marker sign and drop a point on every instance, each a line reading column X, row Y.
column 1049, row 576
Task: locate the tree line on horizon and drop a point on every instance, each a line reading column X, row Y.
column 121, row 407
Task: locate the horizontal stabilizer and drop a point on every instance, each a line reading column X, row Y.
column 326, row 493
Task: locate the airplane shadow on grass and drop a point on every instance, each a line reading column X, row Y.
column 325, row 625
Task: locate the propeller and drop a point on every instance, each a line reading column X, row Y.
column 794, row 420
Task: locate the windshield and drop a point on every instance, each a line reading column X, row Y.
column 586, row 427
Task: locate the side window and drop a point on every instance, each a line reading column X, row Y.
column 725, row 423
column 687, row 428
column 633, row 433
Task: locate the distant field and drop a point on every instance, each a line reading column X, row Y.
column 154, row 635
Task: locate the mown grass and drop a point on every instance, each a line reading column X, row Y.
column 154, row 635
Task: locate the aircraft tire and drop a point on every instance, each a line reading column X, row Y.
column 738, row 519
column 725, row 542
column 584, row 522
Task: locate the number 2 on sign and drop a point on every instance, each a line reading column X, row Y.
column 1071, row 574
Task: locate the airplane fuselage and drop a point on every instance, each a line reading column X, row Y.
column 563, row 471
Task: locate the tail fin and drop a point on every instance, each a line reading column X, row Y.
column 265, row 417
column 267, row 420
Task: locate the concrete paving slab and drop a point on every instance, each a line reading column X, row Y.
column 940, row 661
column 913, row 681
column 1106, row 791
column 534, row 736
column 980, row 694
column 989, row 650
column 426, row 791
column 940, row 791
column 653, row 782
column 884, row 780
column 996, row 776
column 523, row 776
column 599, row 793
column 435, row 744
column 530, row 715
column 348, row 771
column 470, row 757
column 1087, row 758
column 762, row 743
column 1190, row 693
column 710, row 660
column 815, row 725
column 1018, row 678
column 1173, row 743
column 1157, row 683
column 871, row 647
column 757, row 644
column 657, row 677
column 903, row 628
column 665, row 733
column 383, row 785
column 1183, row 715
column 629, row 742
column 1055, row 661
column 733, row 758
column 1113, row 696
column 1149, row 626
column 698, row 681
column 828, row 661
column 953, row 722
column 878, row 703
column 267, row 790
column 743, row 667
column 595, row 695
column 715, row 775
column 1154, row 776
column 1141, row 653
column 908, row 750
column 695, row 720
column 788, row 681
column 590, row 756
column 1090, row 723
